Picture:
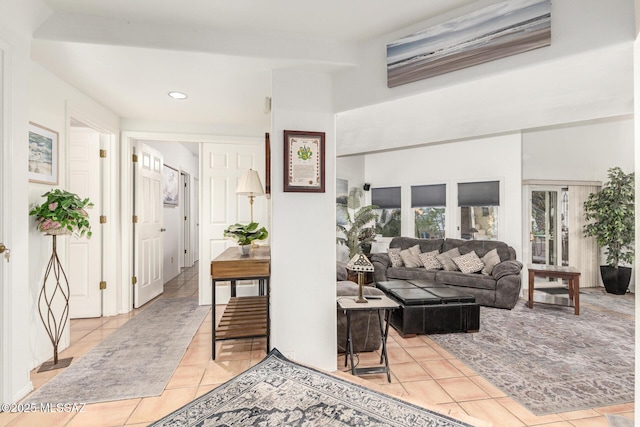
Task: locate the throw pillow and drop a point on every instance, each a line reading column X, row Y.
column 410, row 257
column 394, row 256
column 469, row 262
column 430, row 260
column 446, row 259
column 490, row 260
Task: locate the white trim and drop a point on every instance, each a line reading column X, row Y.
column 561, row 183
column 5, row 226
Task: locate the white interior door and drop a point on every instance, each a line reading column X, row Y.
column 85, row 254
column 149, row 227
column 222, row 165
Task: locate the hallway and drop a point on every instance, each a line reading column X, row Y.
column 422, row 372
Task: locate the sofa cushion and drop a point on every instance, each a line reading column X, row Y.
column 480, row 247
column 410, row 273
column 394, row 256
column 430, row 260
column 426, row 245
column 469, row 263
column 490, row 260
column 446, row 259
column 458, row 278
column 410, row 257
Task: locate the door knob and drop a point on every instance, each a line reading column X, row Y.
column 163, row 230
column 2, row 248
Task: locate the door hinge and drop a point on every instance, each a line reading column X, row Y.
column 185, row 251
column 103, row 285
column 134, row 158
column 103, row 219
column 185, row 217
column 103, row 154
column 135, row 219
column 134, row 280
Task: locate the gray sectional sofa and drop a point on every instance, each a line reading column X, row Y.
column 500, row 288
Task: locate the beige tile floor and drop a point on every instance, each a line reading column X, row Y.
column 422, row 373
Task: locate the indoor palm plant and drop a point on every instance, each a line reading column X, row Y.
column 611, row 212
column 246, row 234
column 359, row 227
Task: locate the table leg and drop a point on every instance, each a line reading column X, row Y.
column 531, row 280
column 233, row 289
column 213, row 319
column 576, row 294
column 349, row 344
column 385, row 334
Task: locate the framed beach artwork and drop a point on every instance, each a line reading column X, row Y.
column 170, row 181
column 304, row 161
column 43, row 154
column 492, row 32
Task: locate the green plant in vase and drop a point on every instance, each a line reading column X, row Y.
column 611, row 212
column 246, row 234
column 63, row 213
column 359, row 229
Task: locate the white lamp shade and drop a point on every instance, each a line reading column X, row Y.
column 250, row 184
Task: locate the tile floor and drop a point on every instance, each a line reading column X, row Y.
column 422, row 373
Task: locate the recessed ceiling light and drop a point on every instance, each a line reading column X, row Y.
column 178, row 95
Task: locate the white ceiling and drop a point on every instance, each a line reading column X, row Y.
column 128, row 54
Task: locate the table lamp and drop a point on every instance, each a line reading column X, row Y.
column 250, row 185
column 360, row 264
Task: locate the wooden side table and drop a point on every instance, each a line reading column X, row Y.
column 244, row 317
column 571, row 274
column 380, row 304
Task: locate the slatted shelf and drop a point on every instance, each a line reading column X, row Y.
column 244, row 317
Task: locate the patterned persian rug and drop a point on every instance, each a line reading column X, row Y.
column 278, row 392
column 551, row 360
column 137, row 360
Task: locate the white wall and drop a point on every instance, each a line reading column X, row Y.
column 303, row 303
column 50, row 98
column 178, row 157
column 579, row 151
column 481, row 159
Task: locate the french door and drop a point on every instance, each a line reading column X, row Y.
column 549, row 226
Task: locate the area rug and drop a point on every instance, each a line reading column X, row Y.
column 137, row 360
column 549, row 359
column 279, row 392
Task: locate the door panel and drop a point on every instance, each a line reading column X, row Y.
column 222, row 165
column 148, row 229
column 85, row 254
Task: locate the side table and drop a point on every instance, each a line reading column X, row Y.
column 379, row 304
column 571, row 274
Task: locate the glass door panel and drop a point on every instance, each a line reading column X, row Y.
column 544, row 231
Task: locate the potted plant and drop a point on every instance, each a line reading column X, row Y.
column 63, row 213
column 359, row 228
column 612, row 213
column 246, row 234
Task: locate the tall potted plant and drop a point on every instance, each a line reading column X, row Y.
column 612, row 214
column 359, row 228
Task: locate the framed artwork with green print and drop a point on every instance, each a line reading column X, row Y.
column 304, row 161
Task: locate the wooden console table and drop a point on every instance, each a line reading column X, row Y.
column 244, row 317
column 571, row 274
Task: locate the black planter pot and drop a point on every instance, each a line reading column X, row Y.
column 616, row 280
column 365, row 247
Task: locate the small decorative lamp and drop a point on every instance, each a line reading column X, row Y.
column 251, row 186
column 360, row 264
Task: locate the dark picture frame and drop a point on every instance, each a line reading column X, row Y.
column 43, row 154
column 304, row 161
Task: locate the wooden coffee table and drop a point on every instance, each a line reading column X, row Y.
column 571, row 274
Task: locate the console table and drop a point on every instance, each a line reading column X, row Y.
column 571, row 274
column 244, row 317
column 374, row 303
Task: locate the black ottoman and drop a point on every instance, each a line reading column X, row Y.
column 431, row 308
